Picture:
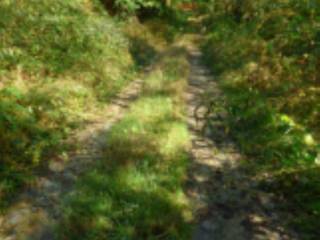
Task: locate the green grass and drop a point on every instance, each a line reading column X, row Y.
column 136, row 191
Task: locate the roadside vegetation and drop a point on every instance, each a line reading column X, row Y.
column 136, row 191
column 266, row 57
column 60, row 63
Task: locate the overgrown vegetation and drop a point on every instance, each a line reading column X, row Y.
column 136, row 192
column 59, row 61
column 62, row 60
column 266, row 57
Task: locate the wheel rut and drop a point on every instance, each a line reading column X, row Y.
column 36, row 211
column 228, row 204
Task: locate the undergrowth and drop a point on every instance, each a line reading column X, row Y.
column 136, row 192
column 265, row 57
column 60, row 62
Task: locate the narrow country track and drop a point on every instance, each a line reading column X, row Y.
column 226, row 202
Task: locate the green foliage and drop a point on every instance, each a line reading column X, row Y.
column 136, row 192
column 59, row 60
column 267, row 66
column 265, row 56
column 34, row 35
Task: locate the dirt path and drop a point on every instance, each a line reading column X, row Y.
column 228, row 203
column 36, row 211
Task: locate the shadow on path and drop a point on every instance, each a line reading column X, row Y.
column 228, row 203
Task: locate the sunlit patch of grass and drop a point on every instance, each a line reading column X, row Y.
column 151, row 109
column 136, row 191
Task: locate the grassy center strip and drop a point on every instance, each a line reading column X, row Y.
column 136, row 191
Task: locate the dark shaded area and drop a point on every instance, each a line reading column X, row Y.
column 145, row 14
column 142, row 12
column 298, row 192
column 142, row 52
column 235, row 204
column 110, row 6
